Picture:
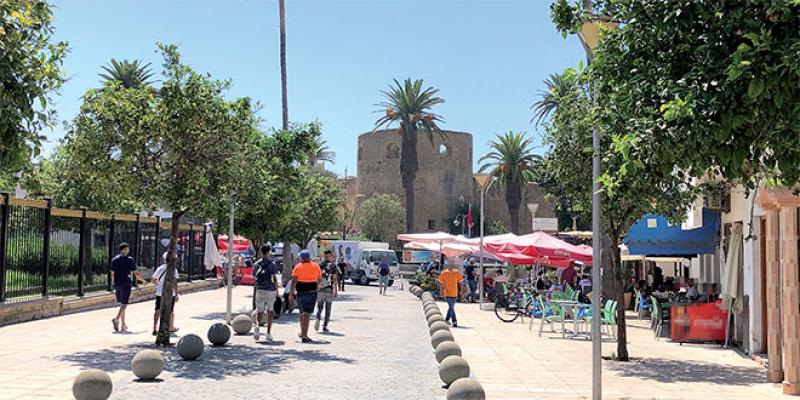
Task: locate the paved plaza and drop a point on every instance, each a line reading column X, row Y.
column 514, row 363
column 379, row 348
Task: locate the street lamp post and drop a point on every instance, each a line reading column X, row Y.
column 483, row 180
column 590, row 38
column 229, row 272
column 532, row 208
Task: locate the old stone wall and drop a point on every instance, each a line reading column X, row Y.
column 444, row 176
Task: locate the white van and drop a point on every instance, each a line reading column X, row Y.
column 363, row 259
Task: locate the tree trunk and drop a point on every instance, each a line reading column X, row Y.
column 408, row 170
column 619, row 295
column 162, row 338
column 284, row 98
column 513, row 200
column 288, row 263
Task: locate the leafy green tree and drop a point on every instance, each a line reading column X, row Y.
column 513, row 162
column 410, row 106
column 720, row 98
column 496, row 227
column 30, row 70
column 180, row 148
column 380, row 217
column 130, row 74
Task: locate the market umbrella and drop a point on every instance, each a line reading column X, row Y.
column 541, row 248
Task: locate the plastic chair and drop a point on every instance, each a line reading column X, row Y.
column 550, row 314
column 642, row 304
column 661, row 314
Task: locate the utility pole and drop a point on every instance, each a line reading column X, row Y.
column 229, row 272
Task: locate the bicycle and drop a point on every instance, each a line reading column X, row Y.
column 514, row 303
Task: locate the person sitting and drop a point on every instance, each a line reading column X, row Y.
column 692, row 293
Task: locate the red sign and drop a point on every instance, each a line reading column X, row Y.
column 698, row 322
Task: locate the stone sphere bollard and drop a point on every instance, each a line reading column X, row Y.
column 241, row 324
column 435, row 318
column 147, row 365
column 438, row 326
column 441, row 336
column 453, row 368
column 465, row 389
column 92, row 384
column 219, row 334
column 190, row 347
column 426, row 295
column 431, row 312
column 447, row 349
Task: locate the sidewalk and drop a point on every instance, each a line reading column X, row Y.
column 514, row 363
column 379, row 348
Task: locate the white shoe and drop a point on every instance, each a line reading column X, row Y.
column 316, row 325
column 257, row 335
column 269, row 337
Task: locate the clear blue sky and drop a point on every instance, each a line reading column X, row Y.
column 487, row 57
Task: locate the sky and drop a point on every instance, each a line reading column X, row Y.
column 488, row 58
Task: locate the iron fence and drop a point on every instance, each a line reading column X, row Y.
column 53, row 251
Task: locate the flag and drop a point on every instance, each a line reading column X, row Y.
column 469, row 220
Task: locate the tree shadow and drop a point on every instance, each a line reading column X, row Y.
column 680, row 371
column 216, row 362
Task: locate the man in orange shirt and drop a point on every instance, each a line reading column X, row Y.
column 450, row 280
column 305, row 277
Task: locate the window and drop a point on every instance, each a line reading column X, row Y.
column 443, row 149
column 360, row 153
column 431, row 224
column 392, row 151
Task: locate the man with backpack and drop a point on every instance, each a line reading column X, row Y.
column 265, row 273
column 327, row 290
column 383, row 276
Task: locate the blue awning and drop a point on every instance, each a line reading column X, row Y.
column 654, row 236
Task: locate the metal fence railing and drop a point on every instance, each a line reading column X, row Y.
column 54, row 251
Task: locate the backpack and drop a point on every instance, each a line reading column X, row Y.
column 263, row 278
column 383, row 270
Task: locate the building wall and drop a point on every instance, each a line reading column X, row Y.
column 444, row 176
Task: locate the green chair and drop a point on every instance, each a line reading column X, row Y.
column 551, row 313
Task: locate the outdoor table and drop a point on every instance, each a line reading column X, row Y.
column 573, row 307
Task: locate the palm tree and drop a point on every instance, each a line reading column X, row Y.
column 410, row 105
column 557, row 86
column 284, row 99
column 513, row 163
column 321, row 152
column 131, row 74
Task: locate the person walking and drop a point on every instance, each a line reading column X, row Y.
column 306, row 277
column 469, row 273
column 450, row 280
column 327, row 290
column 159, row 277
column 121, row 267
column 384, row 273
column 266, row 283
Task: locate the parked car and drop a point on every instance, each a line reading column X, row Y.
column 363, row 259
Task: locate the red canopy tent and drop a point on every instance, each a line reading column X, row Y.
column 241, row 244
column 542, row 249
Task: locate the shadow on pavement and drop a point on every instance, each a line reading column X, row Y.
column 675, row 371
column 215, row 363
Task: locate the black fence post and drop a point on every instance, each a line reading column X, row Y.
column 48, row 224
column 190, row 253
column 203, row 261
column 5, row 209
column 136, row 239
column 82, row 253
column 157, row 243
column 110, row 251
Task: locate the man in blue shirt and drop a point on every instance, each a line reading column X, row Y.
column 121, row 267
column 265, row 273
column 469, row 273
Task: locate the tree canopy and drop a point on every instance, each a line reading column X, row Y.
column 381, row 217
column 30, row 70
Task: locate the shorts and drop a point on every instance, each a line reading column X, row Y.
column 306, row 301
column 123, row 294
column 158, row 303
column 384, row 280
column 265, row 300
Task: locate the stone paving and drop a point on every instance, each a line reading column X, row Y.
column 512, row 362
column 379, row 348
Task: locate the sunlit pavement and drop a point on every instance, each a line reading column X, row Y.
column 514, row 363
column 379, row 348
